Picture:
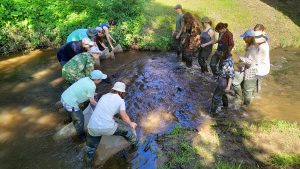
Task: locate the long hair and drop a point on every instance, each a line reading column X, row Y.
column 250, row 40
column 188, row 18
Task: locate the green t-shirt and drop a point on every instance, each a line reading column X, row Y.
column 79, row 92
column 179, row 22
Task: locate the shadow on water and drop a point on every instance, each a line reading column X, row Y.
column 288, row 7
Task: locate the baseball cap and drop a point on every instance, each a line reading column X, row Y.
column 97, row 75
column 249, row 32
column 178, row 6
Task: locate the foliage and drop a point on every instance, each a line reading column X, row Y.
column 36, row 23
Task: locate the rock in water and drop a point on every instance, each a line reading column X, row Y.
column 108, row 146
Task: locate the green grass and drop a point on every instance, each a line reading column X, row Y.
column 278, row 125
column 285, row 160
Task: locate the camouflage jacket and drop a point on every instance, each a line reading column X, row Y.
column 79, row 66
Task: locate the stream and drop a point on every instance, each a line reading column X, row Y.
column 161, row 93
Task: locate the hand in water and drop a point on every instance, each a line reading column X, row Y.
column 133, row 125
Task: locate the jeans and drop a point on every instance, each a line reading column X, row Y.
column 219, row 96
column 203, row 56
column 214, row 63
column 92, row 142
column 243, row 88
column 78, row 121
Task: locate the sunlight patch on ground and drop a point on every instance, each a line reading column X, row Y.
column 56, row 82
column 156, row 120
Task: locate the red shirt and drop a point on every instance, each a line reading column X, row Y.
column 227, row 38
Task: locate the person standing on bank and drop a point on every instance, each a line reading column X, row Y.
column 263, row 55
column 177, row 34
column 79, row 92
column 207, row 41
column 246, row 75
column 225, row 38
column 80, row 65
column 192, row 38
column 102, row 121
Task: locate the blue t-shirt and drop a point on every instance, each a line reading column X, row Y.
column 77, row 35
column 69, row 50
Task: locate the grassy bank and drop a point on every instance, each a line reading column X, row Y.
column 148, row 23
column 230, row 144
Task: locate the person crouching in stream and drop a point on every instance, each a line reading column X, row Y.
column 79, row 92
column 192, row 39
column 80, row 65
column 102, row 121
column 225, row 77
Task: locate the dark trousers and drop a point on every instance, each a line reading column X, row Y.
column 203, row 56
column 214, row 64
column 219, row 97
column 78, row 121
column 187, row 57
column 92, row 142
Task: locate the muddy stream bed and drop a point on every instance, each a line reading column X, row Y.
column 161, row 93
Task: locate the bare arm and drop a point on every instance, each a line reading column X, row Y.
column 211, row 33
column 126, row 119
column 108, row 37
column 181, row 30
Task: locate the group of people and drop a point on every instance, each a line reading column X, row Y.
column 84, row 48
column 193, row 38
column 78, row 57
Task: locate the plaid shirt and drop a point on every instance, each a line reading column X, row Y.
column 249, row 62
column 226, row 68
column 226, row 38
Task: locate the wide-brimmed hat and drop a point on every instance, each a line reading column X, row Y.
column 205, row 20
column 259, row 37
column 97, row 75
column 87, row 41
column 249, row 32
column 91, row 32
column 119, row 86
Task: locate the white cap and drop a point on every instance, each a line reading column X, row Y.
column 97, row 74
column 87, row 41
column 94, row 49
column 119, row 86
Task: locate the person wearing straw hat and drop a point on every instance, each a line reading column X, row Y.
column 79, row 34
column 80, row 65
column 80, row 92
column 263, row 57
column 244, row 81
column 70, row 49
column 102, row 121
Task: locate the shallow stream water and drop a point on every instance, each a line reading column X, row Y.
column 161, row 93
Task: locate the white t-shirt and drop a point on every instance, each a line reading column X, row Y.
column 102, row 122
column 263, row 59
